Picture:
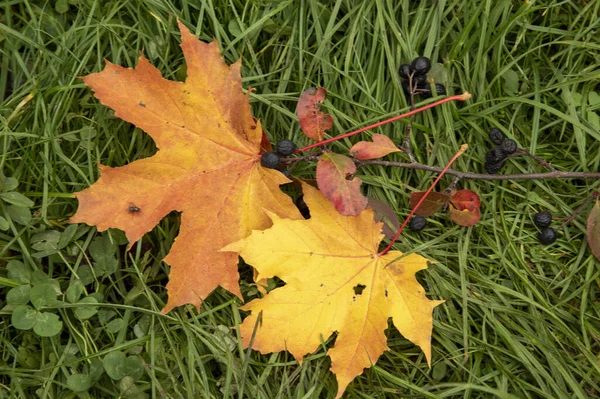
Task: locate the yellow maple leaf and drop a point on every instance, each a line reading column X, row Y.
column 335, row 282
column 207, row 167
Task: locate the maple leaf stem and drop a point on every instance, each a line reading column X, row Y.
column 463, row 148
column 463, row 97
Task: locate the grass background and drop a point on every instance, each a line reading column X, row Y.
column 520, row 321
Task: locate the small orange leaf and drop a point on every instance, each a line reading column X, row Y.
column 431, row 205
column 335, row 180
column 336, row 281
column 313, row 122
column 208, row 167
column 464, row 208
column 593, row 230
column 381, row 146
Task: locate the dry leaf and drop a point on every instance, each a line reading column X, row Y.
column 207, row 167
column 384, row 212
column 335, row 282
column 380, row 146
column 431, row 205
column 593, row 230
column 464, row 208
column 335, row 177
column 313, row 122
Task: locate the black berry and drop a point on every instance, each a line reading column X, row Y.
column 426, row 90
column 542, row 219
column 508, row 146
column 440, row 89
column 421, row 65
column 495, row 155
column 494, row 167
column 547, row 236
column 420, row 81
column 405, row 71
column 417, row 223
column 496, row 135
column 286, row 147
column 270, row 160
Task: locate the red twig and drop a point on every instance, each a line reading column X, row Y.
column 463, row 97
column 463, row 148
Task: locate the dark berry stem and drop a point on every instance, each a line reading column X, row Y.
column 580, row 209
column 463, row 97
column 525, row 153
column 463, row 148
column 484, row 176
column 406, row 144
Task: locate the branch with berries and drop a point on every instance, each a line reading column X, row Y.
column 336, row 173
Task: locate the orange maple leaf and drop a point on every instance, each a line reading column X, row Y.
column 207, row 167
column 335, row 281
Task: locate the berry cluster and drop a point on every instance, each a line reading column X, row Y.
column 547, row 234
column 415, row 77
column 496, row 157
column 272, row 159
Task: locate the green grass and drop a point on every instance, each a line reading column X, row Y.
column 520, row 320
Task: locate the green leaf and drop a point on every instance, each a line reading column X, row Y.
column 593, row 98
column 43, row 295
column 114, row 365
column 17, row 199
column 511, row 81
column 115, row 326
column 86, row 311
column 18, row 295
column 19, row 214
column 23, row 317
column 61, row 6
column 117, row 366
column 74, row 291
column 105, row 315
column 9, row 184
column 3, row 224
column 103, row 252
column 593, row 230
column 133, row 367
column 47, row 324
column 18, row 271
column 46, row 242
column 39, row 277
column 96, row 369
column 79, row 382
column 67, row 235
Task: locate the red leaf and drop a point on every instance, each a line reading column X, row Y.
column 381, row 146
column 464, row 208
column 333, row 171
column 313, row 122
column 466, row 199
column 431, row 205
column 593, row 230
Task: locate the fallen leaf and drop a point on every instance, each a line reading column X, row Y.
column 464, row 208
column 593, row 230
column 313, row 122
column 207, row 167
column 384, row 212
column 431, row 205
column 335, row 282
column 335, row 178
column 381, row 146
